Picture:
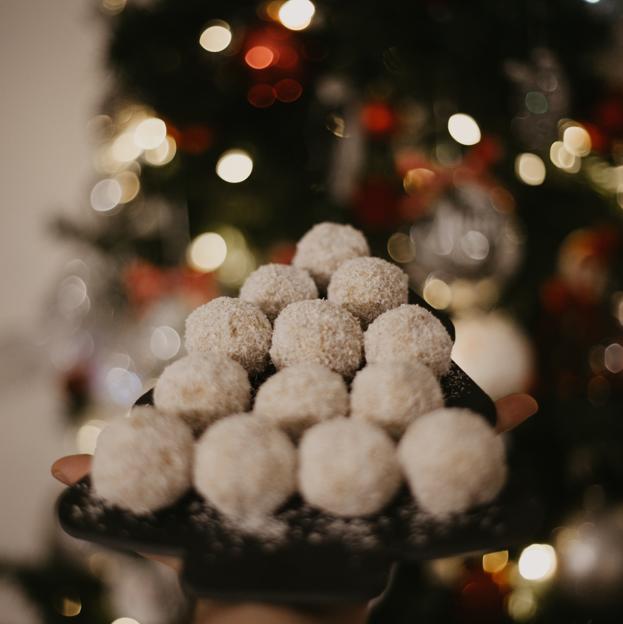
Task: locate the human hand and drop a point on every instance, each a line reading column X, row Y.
column 511, row 412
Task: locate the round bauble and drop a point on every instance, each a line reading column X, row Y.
column 367, row 287
column 348, row 467
column 407, row 333
column 143, row 462
column 201, row 388
column 393, row 394
column 453, row 460
column 245, row 467
column 233, row 327
column 325, row 247
column 273, row 286
column 300, row 396
column 317, row 331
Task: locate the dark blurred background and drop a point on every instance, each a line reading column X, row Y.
column 155, row 152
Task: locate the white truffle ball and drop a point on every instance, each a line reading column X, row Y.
column 323, row 249
column 233, row 327
column 393, row 394
column 245, row 467
column 409, row 332
column 202, row 387
column 348, row 467
column 453, row 460
column 300, row 396
column 317, row 331
column 367, row 287
column 143, row 463
column 273, row 286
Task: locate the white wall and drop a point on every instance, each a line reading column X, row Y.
column 50, row 85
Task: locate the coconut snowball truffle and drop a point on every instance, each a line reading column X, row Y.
column 409, row 332
column 393, row 394
column 453, row 460
column 273, row 286
column 143, row 463
column 245, row 467
column 323, row 249
column 317, row 331
column 202, row 387
column 348, row 467
column 367, row 287
column 300, row 396
column 233, row 327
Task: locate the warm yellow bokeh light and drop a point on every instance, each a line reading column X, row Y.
column 464, row 129
column 495, row 562
column 401, row 248
column 562, row 158
column 530, row 169
column 150, row 133
column 296, row 14
column 216, row 37
column 521, row 604
column 437, row 293
column 234, row 166
column 124, row 149
column 207, row 252
column 130, row 186
column 537, row 562
column 125, row 620
column 576, row 140
column 162, row 154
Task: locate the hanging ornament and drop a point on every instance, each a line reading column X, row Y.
column 467, row 234
column 495, row 352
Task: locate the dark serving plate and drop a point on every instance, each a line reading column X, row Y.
column 302, row 555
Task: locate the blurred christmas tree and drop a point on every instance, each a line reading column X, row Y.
column 479, row 145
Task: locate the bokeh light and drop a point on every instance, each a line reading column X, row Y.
column 234, row 166
column 124, row 148
column 464, row 129
column 207, row 252
column 69, row 606
column 125, row 620
column 130, row 186
column 259, row 57
column 400, row 247
column 437, row 293
column 495, row 562
column 86, row 437
column 150, row 133
column 216, row 37
column 288, row 90
column 261, row 95
column 165, row 342
column 563, row 158
column 521, row 604
column 163, row 154
column 577, row 140
column 106, row 195
column 530, row 169
column 613, row 357
column 296, row 14
column 537, row 562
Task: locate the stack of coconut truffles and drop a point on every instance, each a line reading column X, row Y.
column 354, row 408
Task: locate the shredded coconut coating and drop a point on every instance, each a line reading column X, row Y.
column 233, row 327
column 273, row 286
column 406, row 333
column 348, row 467
column 393, row 394
column 367, row 287
column 245, row 467
column 300, row 396
column 323, row 249
column 202, row 387
column 143, row 463
column 453, row 460
column 317, row 331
